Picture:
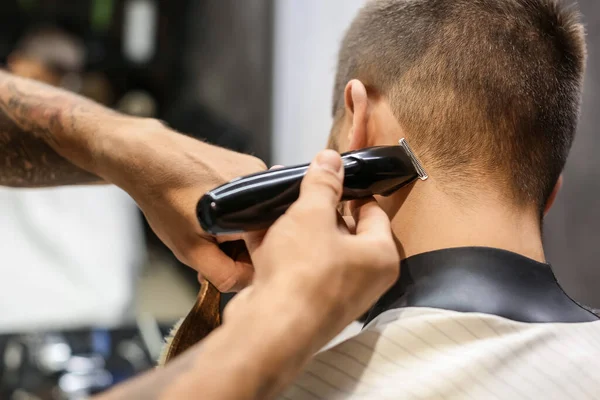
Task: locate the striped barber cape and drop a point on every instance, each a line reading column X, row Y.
column 467, row 323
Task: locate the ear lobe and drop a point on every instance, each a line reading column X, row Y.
column 357, row 107
column 552, row 197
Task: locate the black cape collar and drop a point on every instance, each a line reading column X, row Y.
column 482, row 280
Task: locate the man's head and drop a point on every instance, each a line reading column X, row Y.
column 486, row 92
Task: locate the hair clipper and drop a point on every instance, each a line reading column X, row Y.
column 255, row 201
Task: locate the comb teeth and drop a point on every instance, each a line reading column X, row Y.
column 415, row 161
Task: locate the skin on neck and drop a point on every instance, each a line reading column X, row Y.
column 424, row 216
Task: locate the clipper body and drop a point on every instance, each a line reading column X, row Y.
column 256, row 201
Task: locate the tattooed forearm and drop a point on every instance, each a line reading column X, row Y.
column 28, row 161
column 31, row 124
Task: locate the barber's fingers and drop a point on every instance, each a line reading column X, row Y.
column 374, row 245
column 320, row 193
column 253, row 240
column 346, row 224
column 322, row 186
column 371, row 219
column 226, row 273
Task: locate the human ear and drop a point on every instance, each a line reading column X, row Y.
column 553, row 195
column 357, row 108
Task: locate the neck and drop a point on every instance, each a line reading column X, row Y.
column 430, row 219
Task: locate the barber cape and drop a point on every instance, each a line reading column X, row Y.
column 464, row 323
column 68, row 257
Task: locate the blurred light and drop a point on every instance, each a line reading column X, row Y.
column 73, row 384
column 102, row 14
column 13, row 355
column 54, row 356
column 85, row 364
column 138, row 103
column 139, row 30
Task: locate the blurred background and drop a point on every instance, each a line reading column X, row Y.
column 86, row 289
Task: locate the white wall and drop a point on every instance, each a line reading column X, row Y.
column 307, row 37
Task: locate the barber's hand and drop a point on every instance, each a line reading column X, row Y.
column 170, row 174
column 309, row 258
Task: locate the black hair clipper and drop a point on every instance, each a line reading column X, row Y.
column 256, row 201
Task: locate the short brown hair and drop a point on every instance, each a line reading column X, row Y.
column 485, row 88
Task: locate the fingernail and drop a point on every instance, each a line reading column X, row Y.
column 329, row 159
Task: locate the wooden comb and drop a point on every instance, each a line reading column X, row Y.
column 205, row 316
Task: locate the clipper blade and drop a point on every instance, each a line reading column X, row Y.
column 415, row 161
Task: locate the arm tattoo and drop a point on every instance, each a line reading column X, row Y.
column 28, row 161
column 27, row 155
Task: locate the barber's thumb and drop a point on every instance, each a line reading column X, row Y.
column 324, row 180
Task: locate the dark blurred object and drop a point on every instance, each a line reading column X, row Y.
column 572, row 227
column 71, row 365
column 96, row 86
column 216, row 54
column 135, row 43
column 196, row 120
column 228, row 64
